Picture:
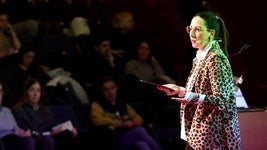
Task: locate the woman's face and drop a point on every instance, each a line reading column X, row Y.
column 199, row 34
column 34, row 93
column 143, row 51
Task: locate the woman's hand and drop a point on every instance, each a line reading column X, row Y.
column 173, row 89
column 190, row 96
column 74, row 132
column 119, row 52
column 181, row 100
column 56, row 131
column 23, row 133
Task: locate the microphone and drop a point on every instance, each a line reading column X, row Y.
column 244, row 47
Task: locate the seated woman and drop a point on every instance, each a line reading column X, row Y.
column 11, row 136
column 110, row 110
column 145, row 66
column 32, row 115
column 15, row 74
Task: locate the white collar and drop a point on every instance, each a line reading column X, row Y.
column 201, row 54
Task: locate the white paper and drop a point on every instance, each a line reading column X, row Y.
column 67, row 125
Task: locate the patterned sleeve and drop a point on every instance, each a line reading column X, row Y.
column 221, row 80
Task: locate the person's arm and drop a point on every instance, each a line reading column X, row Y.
column 22, row 133
column 172, row 90
column 10, row 125
column 135, row 117
column 222, row 84
column 157, row 67
column 110, row 58
column 131, row 67
column 21, row 118
column 119, row 52
column 17, row 130
column 100, row 118
column 14, row 39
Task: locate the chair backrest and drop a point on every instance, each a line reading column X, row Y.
column 64, row 112
column 2, row 147
column 59, row 44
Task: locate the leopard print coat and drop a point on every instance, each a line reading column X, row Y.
column 212, row 125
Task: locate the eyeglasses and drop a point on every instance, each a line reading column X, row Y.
column 196, row 29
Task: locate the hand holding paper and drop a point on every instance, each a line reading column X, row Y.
column 176, row 90
column 190, row 96
column 67, row 125
column 160, row 87
column 169, row 89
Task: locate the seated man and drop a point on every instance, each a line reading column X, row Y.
column 10, row 43
column 110, row 110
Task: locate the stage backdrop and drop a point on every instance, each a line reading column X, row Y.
column 253, row 126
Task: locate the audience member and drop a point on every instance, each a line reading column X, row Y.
column 50, row 71
column 16, row 74
column 123, row 33
column 32, row 115
column 102, row 61
column 111, row 110
column 145, row 66
column 11, row 136
column 10, row 43
column 25, row 17
column 61, row 76
column 72, row 17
